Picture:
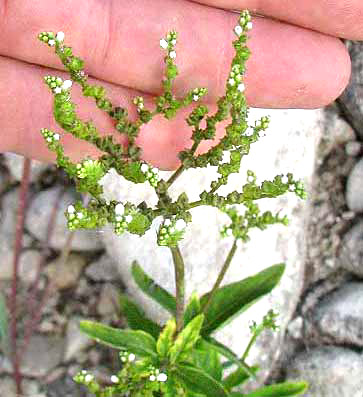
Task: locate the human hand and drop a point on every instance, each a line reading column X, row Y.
column 297, row 62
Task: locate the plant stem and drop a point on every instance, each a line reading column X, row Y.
column 181, row 168
column 250, row 344
column 24, row 187
column 179, row 286
column 220, row 277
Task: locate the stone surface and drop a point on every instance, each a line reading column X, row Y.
column 103, row 269
column 76, row 341
column 109, row 300
column 28, row 265
column 43, row 354
column 340, row 315
column 9, row 208
column 30, row 388
column 351, row 252
column 290, row 145
column 65, row 274
column 14, row 162
column 330, row 372
column 354, row 190
column 351, row 99
column 38, row 216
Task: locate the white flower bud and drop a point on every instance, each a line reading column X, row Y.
column 56, row 137
column 132, row 357
column 144, row 168
column 172, row 54
column 162, row 377
column 152, row 378
column 241, row 87
column 163, row 44
column 60, row 36
column 238, row 30
column 88, row 378
column 128, row 218
column 231, row 82
column 285, row 179
column 167, row 222
column 119, row 209
column 195, row 98
column 57, row 90
column 67, row 84
column 51, row 42
column 114, row 379
column 249, row 26
column 71, row 209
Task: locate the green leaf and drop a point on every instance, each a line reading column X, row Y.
column 192, row 309
column 208, row 360
column 4, row 326
column 153, row 290
column 228, row 353
column 137, row 342
column 139, row 225
column 232, row 299
column 238, row 377
column 165, row 341
column 198, row 381
column 186, row 340
column 132, row 172
column 136, row 318
column 279, row 390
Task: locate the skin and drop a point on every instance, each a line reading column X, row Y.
column 298, row 61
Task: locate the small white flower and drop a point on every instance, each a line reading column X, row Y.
column 173, row 42
column 114, row 379
column 195, row 98
column 123, row 359
column 88, row 378
column 56, row 137
column 60, row 36
column 162, row 377
column 155, row 170
column 144, row 168
column 250, row 178
column 71, row 209
column 231, row 82
column 163, row 44
column 249, row 26
column 51, row 42
column 67, row 84
column 172, row 54
column 241, row 87
column 285, row 179
column 132, row 357
column 119, row 209
column 57, row 90
column 152, row 378
column 167, row 222
column 180, row 224
column 238, row 30
column 79, row 215
column 128, row 218
column 292, row 188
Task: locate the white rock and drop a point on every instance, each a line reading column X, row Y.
column 289, row 147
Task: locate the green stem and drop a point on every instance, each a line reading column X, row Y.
column 179, row 286
column 250, row 344
column 181, row 168
column 220, row 277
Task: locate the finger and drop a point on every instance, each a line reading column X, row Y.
column 26, row 106
column 340, row 18
column 290, row 66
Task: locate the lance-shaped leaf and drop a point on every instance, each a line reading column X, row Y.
column 208, row 360
column 198, row 381
column 150, row 288
column 192, row 309
column 186, row 340
column 279, row 390
column 238, row 377
column 165, row 341
column 136, row 318
column 232, row 299
column 137, row 342
column 227, row 353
